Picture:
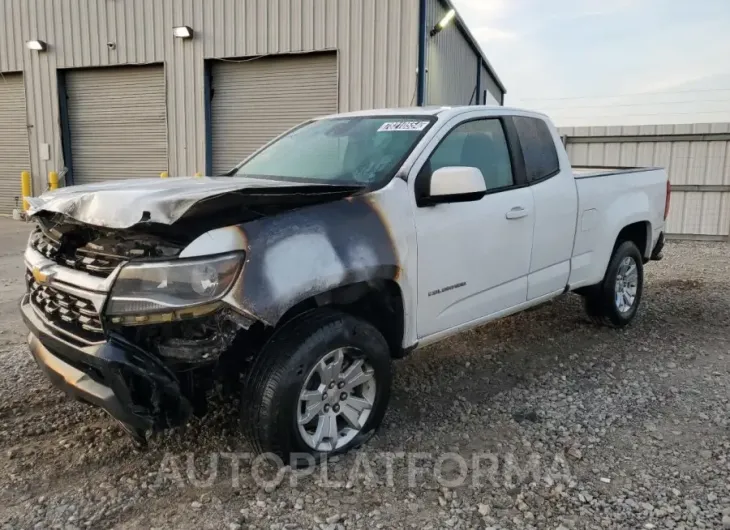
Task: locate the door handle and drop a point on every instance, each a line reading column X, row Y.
column 518, row 212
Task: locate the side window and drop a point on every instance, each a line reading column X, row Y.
column 538, row 148
column 481, row 144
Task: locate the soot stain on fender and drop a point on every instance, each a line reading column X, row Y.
column 302, row 253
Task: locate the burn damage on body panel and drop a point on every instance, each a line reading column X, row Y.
column 149, row 390
column 163, row 372
column 240, row 207
column 306, row 252
column 195, row 341
column 94, row 250
column 299, row 244
column 183, row 207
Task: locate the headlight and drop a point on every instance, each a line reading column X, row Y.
column 166, row 286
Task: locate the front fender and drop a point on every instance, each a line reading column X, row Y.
column 295, row 255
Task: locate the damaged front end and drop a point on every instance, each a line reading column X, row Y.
column 117, row 319
column 137, row 301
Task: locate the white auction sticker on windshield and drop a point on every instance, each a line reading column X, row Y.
column 403, row 126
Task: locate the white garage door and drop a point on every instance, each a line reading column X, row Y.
column 257, row 100
column 14, row 152
column 117, row 123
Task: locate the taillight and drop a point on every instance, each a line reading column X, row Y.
column 666, row 203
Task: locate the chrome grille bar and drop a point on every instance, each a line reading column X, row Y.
column 73, row 314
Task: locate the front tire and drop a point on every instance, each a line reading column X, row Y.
column 319, row 386
column 615, row 301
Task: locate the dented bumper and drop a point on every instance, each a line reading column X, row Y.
column 130, row 384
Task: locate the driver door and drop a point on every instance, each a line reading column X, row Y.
column 473, row 257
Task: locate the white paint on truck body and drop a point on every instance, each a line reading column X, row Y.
column 458, row 262
column 462, row 264
column 473, row 264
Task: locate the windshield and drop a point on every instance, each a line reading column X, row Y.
column 351, row 151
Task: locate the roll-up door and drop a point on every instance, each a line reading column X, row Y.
column 255, row 101
column 117, row 122
column 14, row 152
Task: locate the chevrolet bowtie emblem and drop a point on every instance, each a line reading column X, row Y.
column 40, row 276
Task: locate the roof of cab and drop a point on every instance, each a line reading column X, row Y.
column 396, row 111
column 432, row 111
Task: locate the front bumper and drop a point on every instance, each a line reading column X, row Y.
column 130, row 384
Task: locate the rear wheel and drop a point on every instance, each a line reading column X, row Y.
column 615, row 301
column 319, row 386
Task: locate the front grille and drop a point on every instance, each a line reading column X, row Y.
column 72, row 314
column 88, row 258
column 45, row 244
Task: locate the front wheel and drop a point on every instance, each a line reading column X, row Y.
column 615, row 301
column 319, row 386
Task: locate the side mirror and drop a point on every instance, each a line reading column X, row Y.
column 455, row 184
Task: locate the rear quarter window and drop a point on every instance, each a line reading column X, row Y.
column 538, row 148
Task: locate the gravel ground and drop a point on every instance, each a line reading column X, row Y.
column 537, row 421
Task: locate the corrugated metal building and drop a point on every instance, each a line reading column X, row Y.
column 117, row 95
column 449, row 57
column 696, row 156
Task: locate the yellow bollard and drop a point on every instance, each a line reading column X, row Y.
column 53, row 180
column 164, row 175
column 25, row 188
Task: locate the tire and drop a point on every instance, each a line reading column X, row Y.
column 271, row 409
column 602, row 303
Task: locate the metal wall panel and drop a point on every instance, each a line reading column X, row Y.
column 376, row 40
column 117, row 122
column 699, row 214
column 256, row 101
column 696, row 157
column 494, row 94
column 451, row 64
column 14, row 156
column 451, row 75
column 647, row 130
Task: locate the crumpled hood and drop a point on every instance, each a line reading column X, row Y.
column 124, row 203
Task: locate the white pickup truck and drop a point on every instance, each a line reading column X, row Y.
column 297, row 277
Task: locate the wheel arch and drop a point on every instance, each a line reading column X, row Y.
column 379, row 302
column 636, row 229
column 639, row 233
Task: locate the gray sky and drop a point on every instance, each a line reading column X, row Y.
column 609, row 62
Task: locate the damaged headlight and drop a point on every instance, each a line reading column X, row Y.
column 155, row 287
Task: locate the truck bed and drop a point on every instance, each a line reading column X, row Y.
column 583, row 172
column 624, row 197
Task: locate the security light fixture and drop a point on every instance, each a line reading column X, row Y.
column 448, row 17
column 183, row 32
column 36, row 45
